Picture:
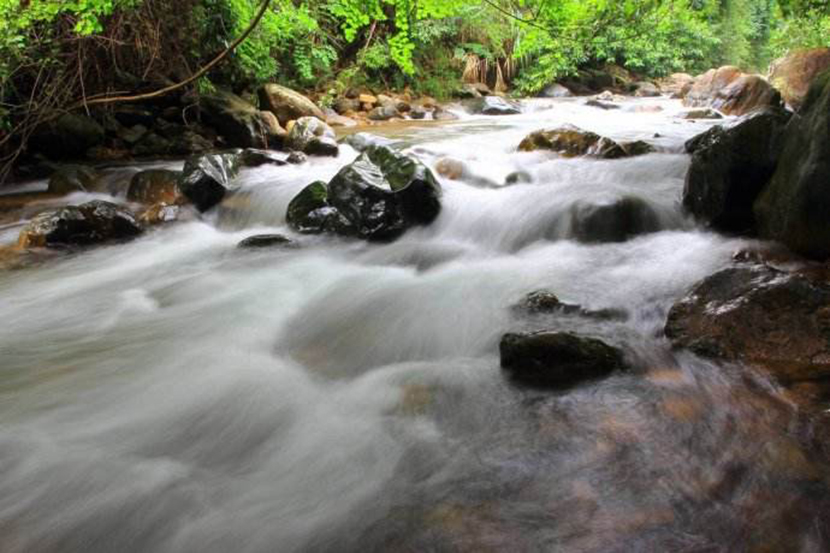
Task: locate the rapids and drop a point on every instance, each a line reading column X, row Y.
column 179, row 394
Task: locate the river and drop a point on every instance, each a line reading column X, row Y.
column 179, row 394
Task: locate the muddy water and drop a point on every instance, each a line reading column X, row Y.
column 179, row 394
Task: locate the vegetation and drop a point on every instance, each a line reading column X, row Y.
column 54, row 54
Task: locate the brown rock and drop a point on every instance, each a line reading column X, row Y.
column 571, row 141
column 793, row 73
column 287, row 104
column 154, row 186
column 774, row 321
column 732, row 92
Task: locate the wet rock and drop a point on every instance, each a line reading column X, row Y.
column 793, row 73
column 493, row 105
column 450, row 168
column 518, row 177
column 570, row 141
column 384, row 192
column 189, row 142
column 131, row 115
column 377, row 197
column 645, row 89
column 384, row 113
column 159, row 214
column 361, row 141
column 730, row 167
column 73, row 178
column 544, row 302
column 732, row 92
column 206, row 179
column 67, row 137
column 313, row 137
column 774, row 321
column 616, row 222
column 90, row 223
column 275, row 135
column 287, row 104
column 251, row 157
column 240, row 123
column 155, row 186
column 702, row 113
column 472, row 90
column 794, row 207
column 310, row 212
column 266, row 241
column 594, row 103
column 132, row 135
column 296, row 158
column 557, row 359
column 556, row 90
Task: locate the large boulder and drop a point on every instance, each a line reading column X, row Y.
column 493, row 105
column 287, row 104
column 677, row 85
column 556, row 90
column 155, row 186
column 729, row 90
column 571, row 141
column 557, row 359
column 771, row 320
column 377, row 197
column 730, row 167
column 793, row 74
column 240, row 123
column 794, row 207
column 645, row 89
column 67, row 137
column 617, row 221
column 312, row 136
column 90, row 223
column 206, row 179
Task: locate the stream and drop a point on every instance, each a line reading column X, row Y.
column 178, row 394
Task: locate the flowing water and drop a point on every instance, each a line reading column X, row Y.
column 179, row 394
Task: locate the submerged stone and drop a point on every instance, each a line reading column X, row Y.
column 90, row 223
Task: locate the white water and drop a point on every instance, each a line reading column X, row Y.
column 179, row 394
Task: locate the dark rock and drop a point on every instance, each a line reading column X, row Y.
column 384, row 192
column 730, row 166
column 130, row 116
column 67, row 137
column 594, row 103
column 206, row 179
column 313, row 137
column 91, row 223
column 73, row 178
column 239, row 122
column 155, row 186
column 774, row 321
column 557, row 359
column 251, row 157
column 793, row 74
column 794, row 208
column 132, row 135
column 189, row 142
column 287, row 104
column 543, row 302
column 310, row 212
column 493, row 105
column 266, row 241
column 377, row 197
column 518, row 177
column 616, row 222
column 472, row 90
